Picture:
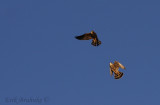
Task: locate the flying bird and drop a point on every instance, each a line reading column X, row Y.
column 87, row 36
column 114, row 68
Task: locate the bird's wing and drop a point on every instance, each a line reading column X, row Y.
column 111, row 72
column 121, row 66
column 85, row 36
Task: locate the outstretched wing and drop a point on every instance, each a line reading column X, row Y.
column 86, row 36
column 120, row 65
column 111, row 72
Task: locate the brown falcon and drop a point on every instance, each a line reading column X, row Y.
column 114, row 68
column 87, row 36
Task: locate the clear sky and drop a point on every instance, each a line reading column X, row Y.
column 40, row 58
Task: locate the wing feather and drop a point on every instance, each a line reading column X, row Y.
column 111, row 72
column 121, row 66
column 86, row 36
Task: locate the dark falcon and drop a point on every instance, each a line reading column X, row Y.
column 114, row 68
column 87, row 36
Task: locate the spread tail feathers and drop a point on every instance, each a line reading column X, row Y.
column 118, row 75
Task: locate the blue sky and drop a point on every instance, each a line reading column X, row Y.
column 40, row 57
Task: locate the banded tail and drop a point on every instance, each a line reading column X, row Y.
column 118, row 75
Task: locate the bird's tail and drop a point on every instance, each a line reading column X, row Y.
column 118, row 75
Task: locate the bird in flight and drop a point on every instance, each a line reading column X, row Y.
column 114, row 68
column 87, row 36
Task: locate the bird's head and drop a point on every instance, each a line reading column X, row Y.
column 92, row 32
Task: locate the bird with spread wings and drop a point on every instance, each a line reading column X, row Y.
column 87, row 36
column 115, row 68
